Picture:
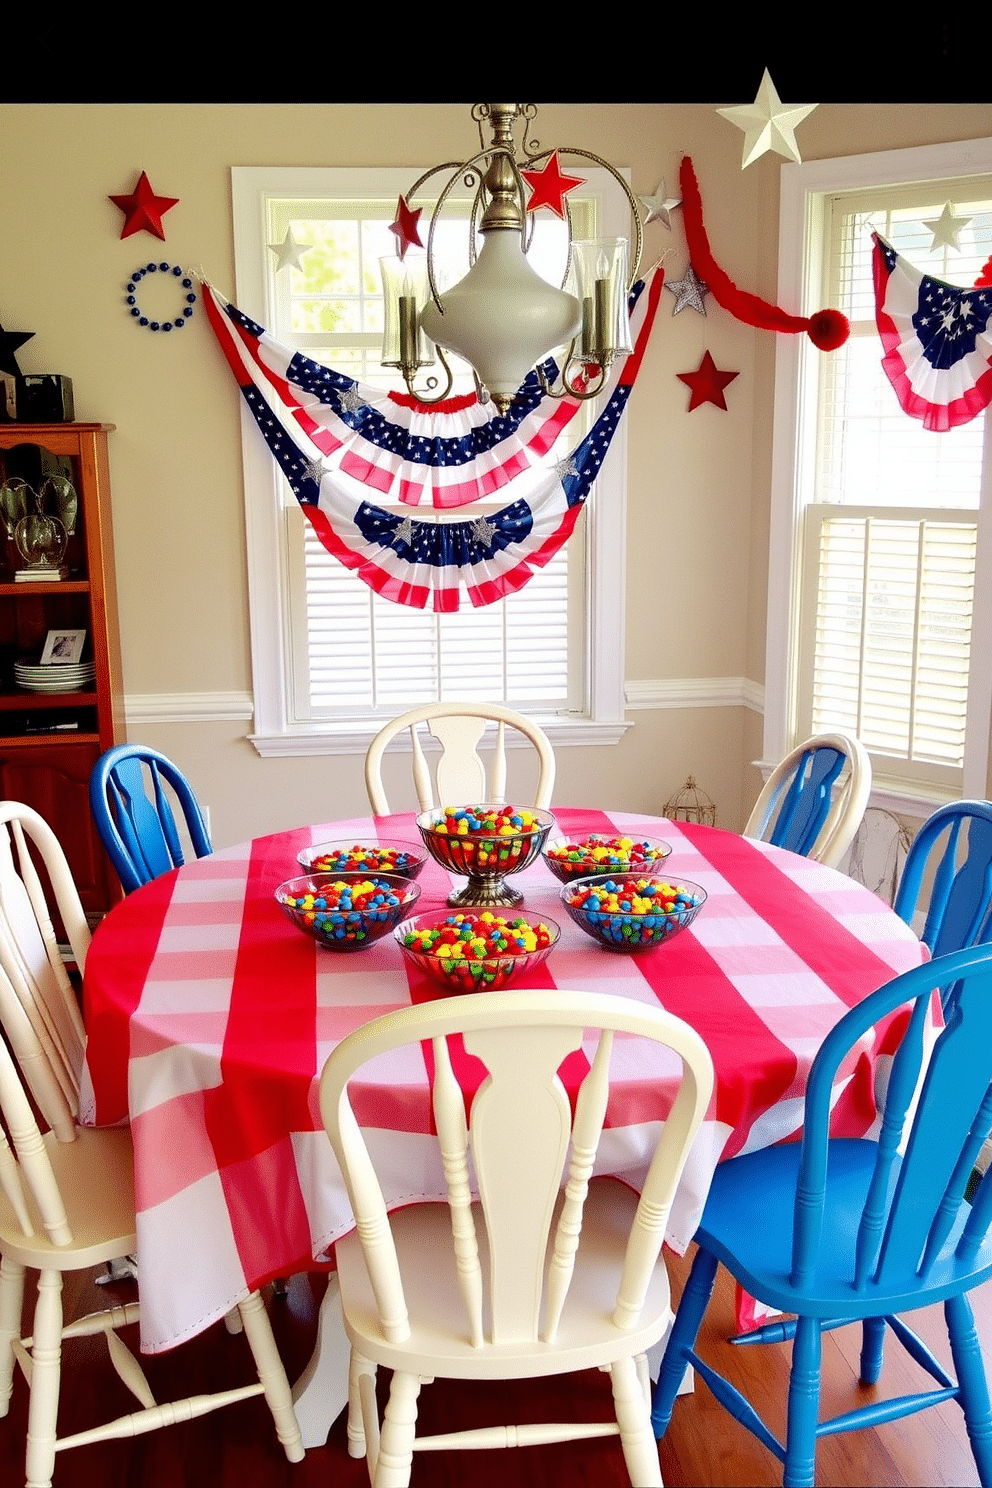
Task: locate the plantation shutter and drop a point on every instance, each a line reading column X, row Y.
column 892, row 632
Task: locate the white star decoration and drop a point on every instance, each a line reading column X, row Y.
column 688, row 291
column 404, row 532
column 565, row 467
column 768, row 124
column 660, row 206
column 482, row 530
column 289, row 252
column 945, row 229
column 314, row 471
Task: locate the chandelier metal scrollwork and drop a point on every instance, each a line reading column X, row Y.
column 502, row 316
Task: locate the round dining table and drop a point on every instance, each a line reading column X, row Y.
column 209, row 1017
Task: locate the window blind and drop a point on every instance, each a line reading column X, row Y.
column 892, row 632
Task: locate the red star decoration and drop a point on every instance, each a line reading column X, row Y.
column 143, row 210
column 550, row 186
column 405, row 227
column 707, row 383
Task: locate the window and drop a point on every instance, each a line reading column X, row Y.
column 330, row 658
column 879, row 572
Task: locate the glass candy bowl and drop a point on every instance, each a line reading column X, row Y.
column 399, row 858
column 598, row 852
column 632, row 913
column 346, row 911
column 467, row 952
column 486, row 843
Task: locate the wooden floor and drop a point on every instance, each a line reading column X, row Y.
column 236, row 1448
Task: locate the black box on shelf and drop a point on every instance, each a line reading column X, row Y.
column 42, row 398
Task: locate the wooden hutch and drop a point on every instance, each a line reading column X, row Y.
column 50, row 740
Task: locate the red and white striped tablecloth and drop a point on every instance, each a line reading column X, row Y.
column 209, row 1018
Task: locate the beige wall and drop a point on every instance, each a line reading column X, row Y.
column 697, row 519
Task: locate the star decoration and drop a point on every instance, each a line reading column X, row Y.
column 688, row 291
column 565, row 467
column 289, row 251
column 404, row 532
column 406, row 227
column 945, row 229
column 314, row 469
column 707, row 383
column 660, row 206
column 10, row 341
column 768, row 124
column 351, row 400
column 483, row 530
column 143, row 210
column 550, row 185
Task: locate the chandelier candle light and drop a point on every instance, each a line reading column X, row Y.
column 503, row 317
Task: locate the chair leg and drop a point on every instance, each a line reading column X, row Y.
column 11, row 1305
column 872, row 1344
column 695, row 1299
column 399, row 1426
column 46, row 1363
column 359, row 1445
column 272, row 1375
column 640, row 1449
column 804, row 1406
column 966, row 1351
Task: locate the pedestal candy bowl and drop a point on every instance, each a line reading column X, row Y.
column 486, row 843
column 346, row 911
column 632, row 913
column 467, row 952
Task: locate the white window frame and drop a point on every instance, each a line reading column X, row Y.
column 803, row 190
column 601, row 720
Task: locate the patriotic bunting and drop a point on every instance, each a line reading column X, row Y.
column 338, row 441
column 937, row 339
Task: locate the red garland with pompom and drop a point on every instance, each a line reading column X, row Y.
column 827, row 329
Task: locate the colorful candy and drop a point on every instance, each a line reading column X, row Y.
column 346, row 913
column 597, row 853
column 368, row 858
column 486, row 839
column 629, row 913
column 475, row 951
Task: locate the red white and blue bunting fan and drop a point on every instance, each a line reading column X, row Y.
column 336, row 440
column 937, row 339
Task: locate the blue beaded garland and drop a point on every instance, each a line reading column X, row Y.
column 131, row 296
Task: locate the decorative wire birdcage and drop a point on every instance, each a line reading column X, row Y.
column 690, row 804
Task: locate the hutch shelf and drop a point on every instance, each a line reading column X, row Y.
column 49, row 741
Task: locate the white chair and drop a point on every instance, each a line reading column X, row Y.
column 547, row 1272
column 460, row 773
column 67, row 1197
column 814, row 800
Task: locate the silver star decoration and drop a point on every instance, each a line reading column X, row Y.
column 289, row 252
column 483, row 530
column 768, row 124
column 351, row 400
column 565, row 467
column 688, row 291
column 404, row 532
column 314, row 470
column 946, row 228
column 660, row 206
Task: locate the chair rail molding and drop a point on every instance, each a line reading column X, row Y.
column 696, row 692
column 187, row 707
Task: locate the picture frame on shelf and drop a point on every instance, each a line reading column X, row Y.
column 63, row 647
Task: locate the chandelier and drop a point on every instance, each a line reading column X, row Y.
column 503, row 317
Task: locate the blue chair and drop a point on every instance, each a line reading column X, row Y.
column 130, row 788
column 814, row 800
column 838, row 1230
column 953, row 849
